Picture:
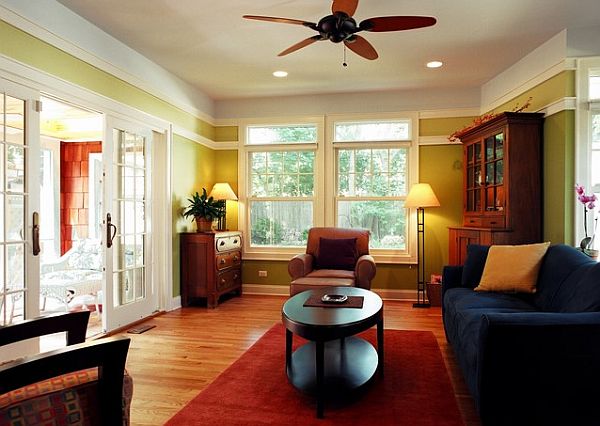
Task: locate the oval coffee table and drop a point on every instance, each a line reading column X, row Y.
column 333, row 359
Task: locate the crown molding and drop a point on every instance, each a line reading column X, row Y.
column 37, row 30
column 202, row 140
column 449, row 113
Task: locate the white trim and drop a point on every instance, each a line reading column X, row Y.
column 583, row 140
column 436, row 140
column 195, row 137
column 174, row 303
column 527, row 85
column 263, row 289
column 56, row 87
column 449, row 113
column 564, row 104
column 284, row 290
column 58, row 26
column 541, row 64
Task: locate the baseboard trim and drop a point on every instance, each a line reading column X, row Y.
column 284, row 290
column 175, row 303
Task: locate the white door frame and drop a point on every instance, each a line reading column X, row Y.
column 162, row 226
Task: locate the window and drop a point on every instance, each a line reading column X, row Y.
column 372, row 177
column 292, row 179
column 587, row 170
column 281, row 193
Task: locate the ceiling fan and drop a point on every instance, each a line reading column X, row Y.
column 340, row 26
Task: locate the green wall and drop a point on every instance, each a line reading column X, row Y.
column 193, row 169
column 30, row 50
column 559, row 160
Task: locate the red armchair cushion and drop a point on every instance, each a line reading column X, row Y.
column 336, row 253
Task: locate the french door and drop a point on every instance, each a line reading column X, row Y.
column 129, row 293
column 19, row 199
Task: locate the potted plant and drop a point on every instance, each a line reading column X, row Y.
column 204, row 209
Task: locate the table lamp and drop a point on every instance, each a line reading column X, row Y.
column 222, row 192
column 420, row 196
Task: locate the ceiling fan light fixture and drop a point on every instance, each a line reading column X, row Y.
column 434, row 64
column 280, row 74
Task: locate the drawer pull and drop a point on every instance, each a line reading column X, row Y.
column 471, row 221
column 222, row 243
column 235, row 241
column 493, row 222
column 235, row 258
column 222, row 261
column 235, row 277
column 223, row 280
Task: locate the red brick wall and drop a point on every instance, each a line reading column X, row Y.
column 74, row 174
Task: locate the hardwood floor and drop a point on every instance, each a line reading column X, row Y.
column 189, row 347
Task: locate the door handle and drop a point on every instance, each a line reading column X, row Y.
column 36, row 233
column 111, row 231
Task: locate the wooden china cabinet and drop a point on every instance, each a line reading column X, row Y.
column 502, row 183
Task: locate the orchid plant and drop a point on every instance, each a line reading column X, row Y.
column 589, row 203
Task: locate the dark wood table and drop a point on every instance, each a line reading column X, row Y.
column 333, row 359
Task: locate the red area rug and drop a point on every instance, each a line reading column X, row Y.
column 415, row 390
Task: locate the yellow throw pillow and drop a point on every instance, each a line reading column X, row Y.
column 512, row 268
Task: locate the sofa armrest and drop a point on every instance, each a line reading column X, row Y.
column 451, row 276
column 300, row 265
column 365, row 271
column 542, row 365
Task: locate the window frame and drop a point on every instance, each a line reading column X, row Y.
column 408, row 255
column 586, row 108
column 324, row 207
column 244, row 179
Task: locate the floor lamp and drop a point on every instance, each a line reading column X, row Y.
column 222, row 192
column 420, row 196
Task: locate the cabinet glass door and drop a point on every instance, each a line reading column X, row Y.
column 474, row 178
column 494, row 172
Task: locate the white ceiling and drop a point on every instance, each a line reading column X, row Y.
column 208, row 44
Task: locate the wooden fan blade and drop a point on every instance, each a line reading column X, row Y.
column 396, row 23
column 362, row 47
column 279, row 20
column 346, row 6
column 300, row 45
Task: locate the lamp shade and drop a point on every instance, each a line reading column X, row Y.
column 222, row 191
column 421, row 195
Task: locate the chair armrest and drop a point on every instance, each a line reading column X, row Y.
column 74, row 323
column 365, row 271
column 539, row 358
column 300, row 265
column 109, row 355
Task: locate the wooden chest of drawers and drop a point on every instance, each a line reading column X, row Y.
column 211, row 265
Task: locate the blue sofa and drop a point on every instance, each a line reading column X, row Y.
column 528, row 359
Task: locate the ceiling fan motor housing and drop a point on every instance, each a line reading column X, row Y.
column 337, row 27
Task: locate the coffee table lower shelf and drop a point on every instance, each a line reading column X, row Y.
column 348, row 364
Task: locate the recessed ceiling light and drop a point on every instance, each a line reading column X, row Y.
column 434, row 64
column 280, row 74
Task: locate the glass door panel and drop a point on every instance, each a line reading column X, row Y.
column 18, row 145
column 131, row 294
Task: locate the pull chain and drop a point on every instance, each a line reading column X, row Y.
column 344, row 63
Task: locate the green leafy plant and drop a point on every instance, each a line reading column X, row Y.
column 203, row 206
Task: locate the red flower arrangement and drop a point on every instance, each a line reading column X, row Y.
column 454, row 137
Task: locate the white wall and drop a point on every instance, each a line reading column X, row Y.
column 390, row 101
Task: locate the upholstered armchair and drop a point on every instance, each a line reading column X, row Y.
column 334, row 257
column 81, row 383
